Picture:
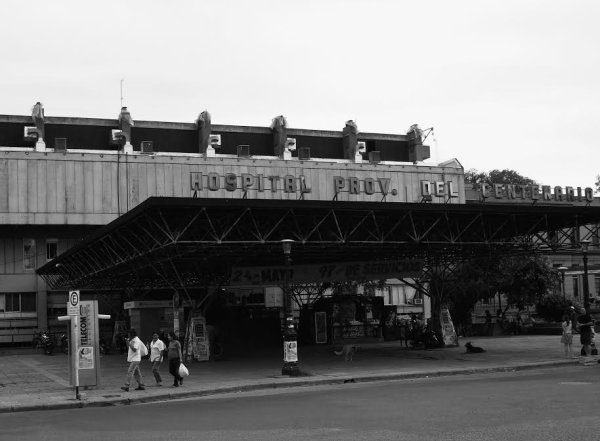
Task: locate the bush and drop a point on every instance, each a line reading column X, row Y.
column 552, row 307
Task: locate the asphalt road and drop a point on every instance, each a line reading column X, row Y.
column 547, row 404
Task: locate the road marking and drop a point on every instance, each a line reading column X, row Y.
column 575, row 383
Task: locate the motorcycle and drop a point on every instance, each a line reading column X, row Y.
column 427, row 339
column 64, row 343
column 103, row 346
column 46, row 342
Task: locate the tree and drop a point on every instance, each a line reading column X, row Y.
column 598, row 184
column 475, row 281
column 459, row 285
column 552, row 307
column 506, row 176
column 525, row 279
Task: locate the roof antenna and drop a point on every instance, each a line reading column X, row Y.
column 122, row 79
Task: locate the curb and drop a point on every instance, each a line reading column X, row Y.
column 275, row 385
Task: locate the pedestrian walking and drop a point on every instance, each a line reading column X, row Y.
column 136, row 349
column 174, row 354
column 157, row 348
column 567, row 336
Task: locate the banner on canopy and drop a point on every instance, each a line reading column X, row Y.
column 330, row 272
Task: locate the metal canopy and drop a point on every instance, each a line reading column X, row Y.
column 190, row 242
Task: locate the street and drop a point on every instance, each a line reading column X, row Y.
column 545, row 404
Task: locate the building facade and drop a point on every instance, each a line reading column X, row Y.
column 63, row 179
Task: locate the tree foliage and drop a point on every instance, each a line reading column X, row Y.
column 506, row 176
column 598, row 184
column 524, row 280
column 552, row 307
column 475, row 281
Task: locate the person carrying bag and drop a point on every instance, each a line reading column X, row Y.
column 175, row 356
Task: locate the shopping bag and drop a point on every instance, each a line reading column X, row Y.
column 183, row 371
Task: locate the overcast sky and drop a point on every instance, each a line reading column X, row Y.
column 505, row 84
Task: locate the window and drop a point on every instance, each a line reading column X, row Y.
column 51, row 249
column 597, row 285
column 29, row 254
column 18, row 302
column 575, row 286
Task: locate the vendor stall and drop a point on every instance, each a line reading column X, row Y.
column 348, row 318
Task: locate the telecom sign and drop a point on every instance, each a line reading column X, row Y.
column 73, row 303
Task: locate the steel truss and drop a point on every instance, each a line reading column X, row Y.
column 175, row 242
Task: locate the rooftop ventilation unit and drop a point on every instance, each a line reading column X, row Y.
column 290, row 143
column 30, row 134
column 60, row 144
column 243, row 151
column 147, row 147
column 304, row 153
column 214, row 141
column 375, row 156
column 117, row 137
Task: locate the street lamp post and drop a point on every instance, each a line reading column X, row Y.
column 290, row 339
column 586, row 288
column 562, row 270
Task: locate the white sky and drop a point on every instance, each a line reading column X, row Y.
column 506, row 84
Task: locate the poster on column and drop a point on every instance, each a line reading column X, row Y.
column 290, row 351
column 448, row 332
column 85, row 357
column 200, row 343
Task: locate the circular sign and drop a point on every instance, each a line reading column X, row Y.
column 74, row 298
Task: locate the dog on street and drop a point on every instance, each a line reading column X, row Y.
column 473, row 349
column 347, row 351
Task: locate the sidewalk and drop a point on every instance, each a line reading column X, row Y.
column 30, row 380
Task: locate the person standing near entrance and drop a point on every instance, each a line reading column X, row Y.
column 175, row 356
column 488, row 323
column 567, row 336
column 157, row 347
column 585, row 324
column 136, row 349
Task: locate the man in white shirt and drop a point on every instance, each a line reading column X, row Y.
column 134, row 357
column 157, row 347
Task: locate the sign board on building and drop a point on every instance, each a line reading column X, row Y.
column 143, row 304
column 531, row 193
column 330, row 272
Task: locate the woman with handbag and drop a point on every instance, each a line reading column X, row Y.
column 175, row 356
